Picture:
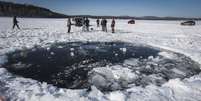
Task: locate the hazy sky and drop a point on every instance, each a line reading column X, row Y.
column 179, row 8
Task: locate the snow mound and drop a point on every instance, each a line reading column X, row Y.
column 111, row 78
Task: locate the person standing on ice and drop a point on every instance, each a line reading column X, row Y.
column 104, row 25
column 113, row 25
column 98, row 22
column 87, row 24
column 83, row 24
column 69, row 25
column 15, row 22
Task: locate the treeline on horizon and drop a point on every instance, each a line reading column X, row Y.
column 137, row 18
column 9, row 9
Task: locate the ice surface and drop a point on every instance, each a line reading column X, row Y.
column 164, row 34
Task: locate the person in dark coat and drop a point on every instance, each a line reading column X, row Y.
column 113, row 25
column 104, row 25
column 69, row 25
column 105, row 21
column 87, row 24
column 98, row 22
column 15, row 22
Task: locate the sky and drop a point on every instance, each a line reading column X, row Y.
column 162, row 8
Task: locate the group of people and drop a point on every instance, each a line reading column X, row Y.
column 104, row 24
column 86, row 24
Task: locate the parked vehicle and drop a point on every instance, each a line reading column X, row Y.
column 188, row 23
column 131, row 22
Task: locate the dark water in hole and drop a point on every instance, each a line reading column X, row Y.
column 67, row 65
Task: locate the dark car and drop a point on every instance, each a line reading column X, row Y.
column 131, row 22
column 188, row 23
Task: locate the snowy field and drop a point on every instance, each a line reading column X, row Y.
column 168, row 35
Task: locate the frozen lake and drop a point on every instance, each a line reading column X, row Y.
column 151, row 60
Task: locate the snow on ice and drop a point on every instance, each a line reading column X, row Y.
column 167, row 35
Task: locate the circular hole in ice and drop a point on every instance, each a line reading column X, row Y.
column 107, row 65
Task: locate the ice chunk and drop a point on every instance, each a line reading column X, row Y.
column 183, row 91
column 3, row 59
column 131, row 62
column 72, row 54
column 168, row 55
column 99, row 81
column 2, row 70
column 102, row 78
column 60, row 47
column 48, row 48
column 72, row 49
column 123, row 74
column 104, row 71
column 19, row 65
column 177, row 71
column 96, row 95
column 52, row 53
column 116, row 96
column 123, row 50
column 112, row 78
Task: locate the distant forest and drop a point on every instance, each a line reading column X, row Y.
column 8, row 9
